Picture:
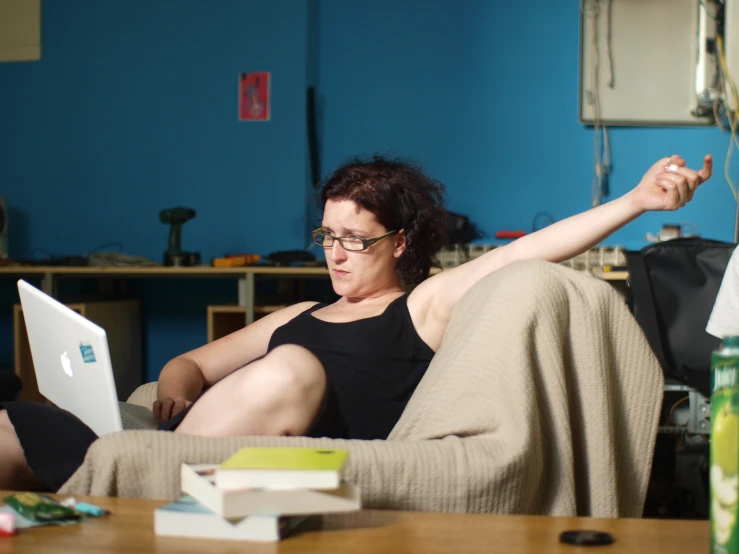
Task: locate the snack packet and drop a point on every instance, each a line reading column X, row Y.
column 41, row 508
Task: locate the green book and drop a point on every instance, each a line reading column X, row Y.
column 310, row 468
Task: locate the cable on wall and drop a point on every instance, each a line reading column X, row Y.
column 609, row 49
column 601, row 143
column 731, row 109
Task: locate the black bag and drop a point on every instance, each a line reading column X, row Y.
column 673, row 288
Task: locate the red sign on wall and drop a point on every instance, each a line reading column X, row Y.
column 254, row 96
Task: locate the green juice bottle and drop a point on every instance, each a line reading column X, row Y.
column 725, row 447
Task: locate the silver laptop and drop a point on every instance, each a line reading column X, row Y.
column 72, row 363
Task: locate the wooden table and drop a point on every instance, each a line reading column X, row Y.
column 130, row 529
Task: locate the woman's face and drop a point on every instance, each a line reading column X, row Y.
column 366, row 273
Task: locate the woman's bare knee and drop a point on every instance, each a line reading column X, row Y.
column 296, row 369
column 292, row 385
column 279, row 394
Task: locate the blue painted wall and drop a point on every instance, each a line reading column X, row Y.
column 485, row 96
column 132, row 109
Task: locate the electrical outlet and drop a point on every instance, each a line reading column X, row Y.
column 699, row 421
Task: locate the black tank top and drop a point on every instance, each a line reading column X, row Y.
column 373, row 365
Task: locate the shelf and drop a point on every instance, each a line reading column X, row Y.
column 224, row 319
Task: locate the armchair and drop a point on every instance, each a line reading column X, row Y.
column 544, row 398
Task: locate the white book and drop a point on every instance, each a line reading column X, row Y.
column 188, row 518
column 198, row 482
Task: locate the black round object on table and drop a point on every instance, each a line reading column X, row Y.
column 584, row 537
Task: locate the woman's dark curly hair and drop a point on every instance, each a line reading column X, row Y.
column 402, row 197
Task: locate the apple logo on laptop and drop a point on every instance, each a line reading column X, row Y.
column 66, row 364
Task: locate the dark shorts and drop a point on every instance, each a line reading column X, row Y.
column 55, row 441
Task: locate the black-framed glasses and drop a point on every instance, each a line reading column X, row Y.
column 353, row 244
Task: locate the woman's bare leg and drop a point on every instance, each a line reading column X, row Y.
column 279, row 394
column 14, row 471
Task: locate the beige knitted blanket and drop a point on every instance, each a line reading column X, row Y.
column 544, row 398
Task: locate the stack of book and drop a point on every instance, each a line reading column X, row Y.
column 259, row 494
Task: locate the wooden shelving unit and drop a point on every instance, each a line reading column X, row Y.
column 225, row 319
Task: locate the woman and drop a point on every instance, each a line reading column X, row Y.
column 346, row 369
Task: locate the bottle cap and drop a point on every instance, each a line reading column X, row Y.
column 730, row 342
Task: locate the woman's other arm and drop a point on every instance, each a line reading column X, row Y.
column 668, row 185
column 183, row 378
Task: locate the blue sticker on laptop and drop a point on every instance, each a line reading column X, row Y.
column 88, row 355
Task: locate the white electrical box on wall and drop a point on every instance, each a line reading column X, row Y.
column 643, row 62
column 731, row 40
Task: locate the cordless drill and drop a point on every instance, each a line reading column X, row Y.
column 174, row 255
